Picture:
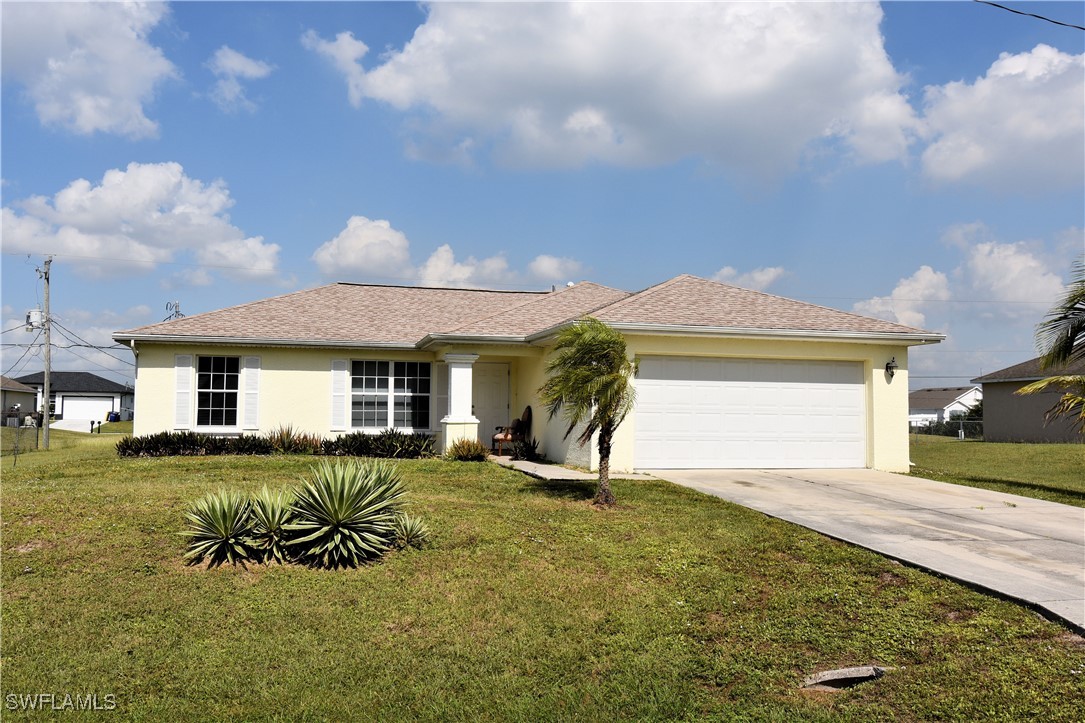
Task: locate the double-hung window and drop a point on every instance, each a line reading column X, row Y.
column 390, row 394
column 217, row 382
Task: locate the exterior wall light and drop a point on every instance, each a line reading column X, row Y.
column 891, row 367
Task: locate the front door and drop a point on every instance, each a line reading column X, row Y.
column 490, row 396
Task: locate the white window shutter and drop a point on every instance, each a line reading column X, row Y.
column 339, row 395
column 182, row 388
column 251, row 407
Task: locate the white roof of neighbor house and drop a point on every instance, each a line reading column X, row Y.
column 412, row 316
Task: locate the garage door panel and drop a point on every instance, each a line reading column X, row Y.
column 75, row 407
column 749, row 413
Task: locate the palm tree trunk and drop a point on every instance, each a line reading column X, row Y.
column 603, row 495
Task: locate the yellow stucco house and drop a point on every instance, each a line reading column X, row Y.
column 727, row 377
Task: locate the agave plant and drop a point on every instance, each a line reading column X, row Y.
column 270, row 514
column 219, row 526
column 344, row 514
column 410, row 531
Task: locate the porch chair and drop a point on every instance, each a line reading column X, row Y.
column 515, row 432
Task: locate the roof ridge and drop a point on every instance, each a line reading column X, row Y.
column 435, row 288
column 645, row 292
column 545, row 296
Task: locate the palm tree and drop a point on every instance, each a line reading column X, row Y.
column 1061, row 337
column 589, row 378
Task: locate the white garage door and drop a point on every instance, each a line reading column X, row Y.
column 748, row 413
column 87, row 407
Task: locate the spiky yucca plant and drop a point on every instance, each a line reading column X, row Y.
column 270, row 514
column 219, row 526
column 410, row 531
column 344, row 514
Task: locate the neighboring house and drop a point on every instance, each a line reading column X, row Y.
column 928, row 406
column 81, row 395
column 727, row 377
column 1010, row 417
column 12, row 393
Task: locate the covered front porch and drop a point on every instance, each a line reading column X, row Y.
column 476, row 391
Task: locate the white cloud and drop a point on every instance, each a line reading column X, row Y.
column 988, row 303
column 344, row 53
column 365, row 247
column 906, row 303
column 758, row 279
column 1011, row 273
column 552, row 268
column 747, row 86
column 442, row 269
column 374, row 250
column 231, row 67
column 135, row 219
column 87, row 67
column 1021, row 126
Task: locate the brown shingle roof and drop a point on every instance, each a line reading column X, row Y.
column 355, row 314
column 10, row 385
column 544, row 312
column 936, row 397
column 360, row 314
column 695, row 302
column 1029, row 371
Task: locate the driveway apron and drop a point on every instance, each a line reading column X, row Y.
column 1025, row 549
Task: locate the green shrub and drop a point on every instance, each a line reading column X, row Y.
column 387, row 444
column 410, row 531
column 284, row 440
column 527, row 451
column 467, row 450
column 219, row 528
column 270, row 514
column 354, row 444
column 344, row 514
column 251, row 444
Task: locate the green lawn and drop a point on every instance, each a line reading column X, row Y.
column 1053, row 472
column 530, row 605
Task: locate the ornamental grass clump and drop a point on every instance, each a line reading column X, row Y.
column 467, row 450
column 344, row 514
column 219, row 529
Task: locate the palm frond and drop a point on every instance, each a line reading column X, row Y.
column 1061, row 336
column 1071, row 404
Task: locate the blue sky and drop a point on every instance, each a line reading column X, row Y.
column 916, row 161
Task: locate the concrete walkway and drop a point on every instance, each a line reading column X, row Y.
column 557, row 473
column 1025, row 549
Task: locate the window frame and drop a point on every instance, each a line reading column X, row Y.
column 401, row 389
column 199, row 390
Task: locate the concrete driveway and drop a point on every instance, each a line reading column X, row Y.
column 1029, row 550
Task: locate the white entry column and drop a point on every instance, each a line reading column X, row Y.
column 460, row 422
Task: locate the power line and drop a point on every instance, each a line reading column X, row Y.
column 100, row 366
column 64, row 331
column 28, row 348
column 1031, row 15
column 149, row 263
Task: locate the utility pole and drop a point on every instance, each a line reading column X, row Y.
column 48, row 322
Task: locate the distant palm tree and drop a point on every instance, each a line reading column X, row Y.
column 1061, row 337
column 590, row 380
